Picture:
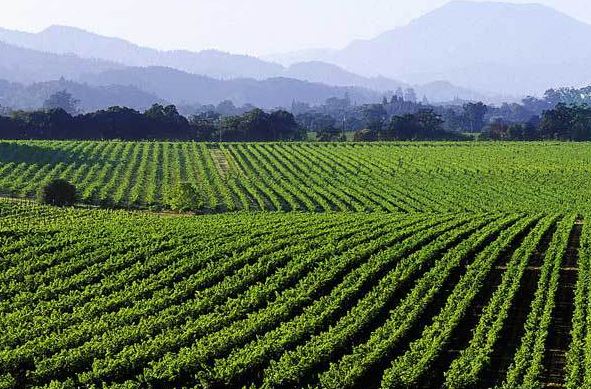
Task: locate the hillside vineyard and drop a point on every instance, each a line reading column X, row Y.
column 398, row 265
column 399, row 178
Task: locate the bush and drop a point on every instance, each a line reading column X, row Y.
column 184, row 197
column 365, row 135
column 57, row 192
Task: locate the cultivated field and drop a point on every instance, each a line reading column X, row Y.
column 457, row 265
column 401, row 178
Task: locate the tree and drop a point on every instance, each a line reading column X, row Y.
column 50, row 124
column 423, row 125
column 284, row 127
column 62, row 100
column 168, row 123
column 315, row 121
column 410, row 95
column 205, row 125
column 365, row 135
column 557, row 123
column 116, row 123
column 403, row 127
column 259, row 126
column 5, row 111
column 581, row 129
column 330, row 134
column 57, row 192
column 9, row 129
column 474, row 114
column 498, row 130
column 430, row 123
column 336, row 104
column 256, row 126
column 374, row 115
column 184, row 197
column 226, row 108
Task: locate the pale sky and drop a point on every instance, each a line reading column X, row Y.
column 254, row 27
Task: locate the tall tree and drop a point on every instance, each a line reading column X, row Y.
column 375, row 116
column 62, row 100
column 410, row 95
column 474, row 114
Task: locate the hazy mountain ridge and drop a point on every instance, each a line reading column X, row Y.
column 70, row 40
column 437, row 91
column 26, row 66
column 330, row 74
column 504, row 48
column 211, row 63
column 91, row 98
column 183, row 88
column 138, row 87
column 455, row 51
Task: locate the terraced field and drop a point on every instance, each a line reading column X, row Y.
column 401, row 178
column 410, row 266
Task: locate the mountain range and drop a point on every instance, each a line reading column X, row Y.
column 115, row 53
column 23, row 65
column 505, row 48
column 91, row 98
column 84, row 44
column 29, row 76
column 468, row 50
column 78, row 55
column 186, row 88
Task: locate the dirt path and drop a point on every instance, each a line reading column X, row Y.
column 220, row 161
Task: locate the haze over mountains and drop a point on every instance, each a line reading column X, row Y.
column 91, row 98
column 466, row 50
column 23, row 65
column 186, row 88
column 70, row 40
column 211, row 63
column 514, row 49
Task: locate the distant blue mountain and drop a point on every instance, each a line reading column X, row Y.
column 505, row 48
column 85, row 45
column 26, row 66
column 70, row 40
column 186, row 88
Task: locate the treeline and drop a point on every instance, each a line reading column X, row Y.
column 422, row 125
column 341, row 113
column 158, row 122
column 562, row 114
column 60, row 120
column 494, row 122
column 564, row 122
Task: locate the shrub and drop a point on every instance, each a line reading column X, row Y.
column 365, row 135
column 184, row 197
column 57, row 192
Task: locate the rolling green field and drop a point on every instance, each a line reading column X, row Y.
column 456, row 265
column 401, row 178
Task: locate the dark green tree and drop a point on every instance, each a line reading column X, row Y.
column 474, row 115
column 375, row 116
column 62, row 100
column 184, row 197
column 57, row 192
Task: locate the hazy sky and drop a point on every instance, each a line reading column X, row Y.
column 241, row 26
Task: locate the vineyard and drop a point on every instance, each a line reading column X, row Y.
column 312, row 177
column 405, row 266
